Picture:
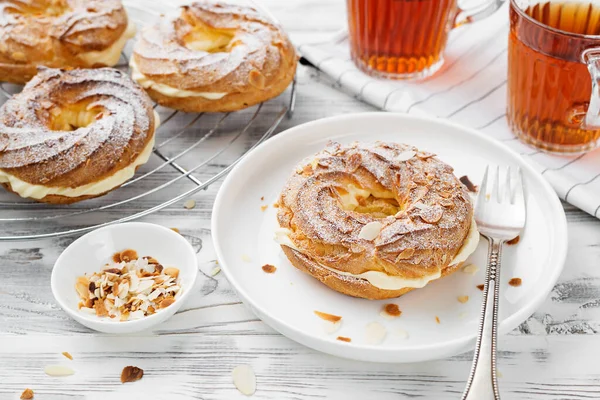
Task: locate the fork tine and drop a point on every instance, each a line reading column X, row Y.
column 496, row 185
column 519, row 196
column 508, row 192
column 483, row 187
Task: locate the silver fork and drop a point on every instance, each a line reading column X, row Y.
column 500, row 216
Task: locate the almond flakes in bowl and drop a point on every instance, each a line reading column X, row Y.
column 129, row 288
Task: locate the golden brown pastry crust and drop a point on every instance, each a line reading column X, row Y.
column 53, row 33
column 425, row 221
column 258, row 63
column 33, row 152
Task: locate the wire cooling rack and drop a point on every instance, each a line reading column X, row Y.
column 191, row 152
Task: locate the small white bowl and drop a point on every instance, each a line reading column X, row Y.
column 91, row 252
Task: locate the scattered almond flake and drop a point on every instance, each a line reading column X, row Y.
column 131, row 374
column 515, row 282
column 405, row 155
column 463, row 315
column 262, row 198
column 58, row 370
column 391, row 311
column 275, row 205
column 462, row 299
column 375, row 333
column 437, row 319
column 264, row 208
column 328, row 317
column 176, row 230
column 27, row 394
column 189, row 204
column 420, row 206
column 215, row 271
column 468, row 184
column 269, row 269
column 344, row 339
column 514, row 240
column 401, row 333
column 370, row 231
column 470, row 269
column 331, row 327
column 244, row 379
column 129, row 288
column 481, row 287
column 246, row 258
column 67, row 354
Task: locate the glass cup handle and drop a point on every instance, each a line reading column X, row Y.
column 591, row 57
column 478, row 12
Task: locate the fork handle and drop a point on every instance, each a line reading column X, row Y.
column 483, row 384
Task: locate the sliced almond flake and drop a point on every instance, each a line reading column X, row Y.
column 470, row 269
column 172, row 289
column 370, row 231
column 420, row 206
column 215, row 271
column 134, row 282
column 401, row 333
column 58, row 370
column 244, row 379
column 189, row 204
column 375, row 333
column 144, row 285
column 155, row 293
column 405, row 155
column 139, row 314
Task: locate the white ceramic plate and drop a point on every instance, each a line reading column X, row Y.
column 287, row 299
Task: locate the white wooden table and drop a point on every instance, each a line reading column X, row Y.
column 553, row 355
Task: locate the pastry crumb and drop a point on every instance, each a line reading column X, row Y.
column 481, row 287
column 275, row 205
column 27, row 394
column 344, row 339
column 437, row 319
column 514, row 240
column 391, row 310
column 175, row 230
column 515, row 282
column 269, row 269
column 327, row 317
column 462, row 299
column 189, row 204
column 263, row 208
column 67, row 354
column 131, row 374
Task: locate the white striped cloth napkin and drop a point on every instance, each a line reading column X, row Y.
column 470, row 90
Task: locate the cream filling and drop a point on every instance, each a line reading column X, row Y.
column 28, row 190
column 167, row 90
column 384, row 281
column 110, row 56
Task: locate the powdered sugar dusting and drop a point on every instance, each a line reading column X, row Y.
column 420, row 237
column 25, row 136
column 161, row 55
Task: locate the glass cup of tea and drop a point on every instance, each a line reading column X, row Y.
column 405, row 39
column 554, row 74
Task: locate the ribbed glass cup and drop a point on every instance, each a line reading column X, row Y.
column 400, row 39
